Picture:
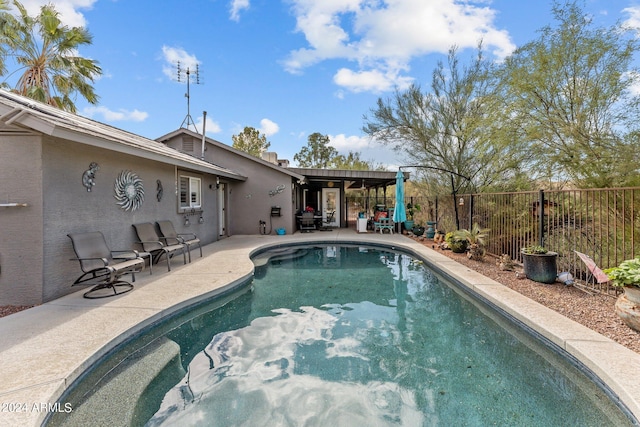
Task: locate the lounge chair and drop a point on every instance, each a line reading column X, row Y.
column 595, row 273
column 171, row 237
column 151, row 242
column 103, row 267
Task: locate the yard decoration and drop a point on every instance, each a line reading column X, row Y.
column 431, row 229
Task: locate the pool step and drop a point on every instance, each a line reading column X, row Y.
column 117, row 402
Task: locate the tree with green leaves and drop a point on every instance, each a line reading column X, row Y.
column 4, row 8
column 45, row 53
column 448, row 130
column 251, row 141
column 317, row 153
column 568, row 95
column 352, row 161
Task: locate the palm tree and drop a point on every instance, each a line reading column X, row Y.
column 4, row 7
column 45, row 51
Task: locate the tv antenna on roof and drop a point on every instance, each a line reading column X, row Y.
column 188, row 75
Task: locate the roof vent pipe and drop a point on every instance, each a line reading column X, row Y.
column 204, row 127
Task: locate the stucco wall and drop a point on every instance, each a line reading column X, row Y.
column 38, row 268
column 251, row 203
column 21, row 248
column 251, row 200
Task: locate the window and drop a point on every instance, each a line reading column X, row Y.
column 190, row 192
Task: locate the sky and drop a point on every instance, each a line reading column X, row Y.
column 287, row 68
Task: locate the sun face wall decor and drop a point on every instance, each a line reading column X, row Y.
column 129, row 191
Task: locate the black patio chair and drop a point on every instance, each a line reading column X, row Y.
column 103, row 267
column 151, row 242
column 307, row 222
column 171, row 237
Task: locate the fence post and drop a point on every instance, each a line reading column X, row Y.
column 471, row 199
column 455, row 203
column 541, row 218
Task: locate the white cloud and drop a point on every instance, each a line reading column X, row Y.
column 634, row 78
column 633, row 22
column 236, row 7
column 344, row 143
column 383, row 37
column 68, row 9
column 370, row 80
column 369, row 149
column 268, row 127
column 212, row 126
column 174, row 55
column 115, row 116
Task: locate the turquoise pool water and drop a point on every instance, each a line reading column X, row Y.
column 349, row 336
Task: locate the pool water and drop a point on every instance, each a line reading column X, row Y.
column 359, row 336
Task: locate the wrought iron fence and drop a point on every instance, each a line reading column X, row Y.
column 603, row 223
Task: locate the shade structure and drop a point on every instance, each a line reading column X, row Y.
column 399, row 213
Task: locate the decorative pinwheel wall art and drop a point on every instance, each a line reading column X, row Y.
column 129, row 191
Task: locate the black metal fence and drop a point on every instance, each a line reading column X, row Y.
column 603, row 223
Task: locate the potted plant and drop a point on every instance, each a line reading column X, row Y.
column 476, row 237
column 411, row 210
column 456, row 241
column 430, row 232
column 540, row 264
column 627, row 276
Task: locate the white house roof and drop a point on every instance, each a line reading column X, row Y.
column 20, row 115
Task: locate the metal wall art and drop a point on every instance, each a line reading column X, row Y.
column 159, row 190
column 279, row 189
column 129, row 191
column 89, row 176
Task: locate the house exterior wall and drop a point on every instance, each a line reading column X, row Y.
column 35, row 251
column 250, row 201
column 21, row 244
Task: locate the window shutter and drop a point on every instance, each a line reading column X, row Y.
column 184, row 192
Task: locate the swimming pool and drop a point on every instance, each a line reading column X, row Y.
column 358, row 335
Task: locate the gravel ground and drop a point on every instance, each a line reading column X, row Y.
column 6, row 310
column 593, row 311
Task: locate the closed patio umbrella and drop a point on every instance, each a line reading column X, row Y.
column 399, row 213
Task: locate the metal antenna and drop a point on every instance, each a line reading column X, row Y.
column 188, row 75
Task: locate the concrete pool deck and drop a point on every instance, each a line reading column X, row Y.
column 45, row 348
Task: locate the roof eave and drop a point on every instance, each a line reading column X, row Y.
column 45, row 127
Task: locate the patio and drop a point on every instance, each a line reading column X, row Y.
column 45, row 348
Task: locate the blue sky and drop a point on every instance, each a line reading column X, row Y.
column 288, row 68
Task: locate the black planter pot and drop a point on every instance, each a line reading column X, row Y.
column 541, row 267
column 459, row 246
column 418, row 230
